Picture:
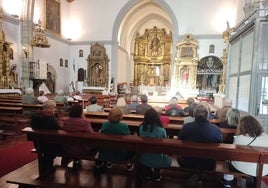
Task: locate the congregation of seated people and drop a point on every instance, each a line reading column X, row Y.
column 196, row 128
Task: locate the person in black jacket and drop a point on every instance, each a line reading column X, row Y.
column 45, row 119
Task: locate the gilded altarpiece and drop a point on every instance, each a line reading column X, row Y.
column 98, row 66
column 186, row 62
column 8, row 74
column 152, row 57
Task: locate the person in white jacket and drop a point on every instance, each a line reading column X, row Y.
column 249, row 133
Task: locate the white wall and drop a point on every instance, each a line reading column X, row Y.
column 52, row 55
column 206, row 16
column 93, row 21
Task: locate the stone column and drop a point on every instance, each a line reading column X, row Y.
column 27, row 27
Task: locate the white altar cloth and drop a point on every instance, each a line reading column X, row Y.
column 10, row 91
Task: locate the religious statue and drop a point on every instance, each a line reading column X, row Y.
column 13, row 75
column 185, row 75
column 155, row 44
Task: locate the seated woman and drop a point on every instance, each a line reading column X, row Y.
column 75, row 122
column 190, row 101
column 121, row 103
column 173, row 109
column 94, row 107
column 232, row 119
column 114, row 126
column 134, row 102
column 249, row 133
column 153, row 162
column 190, row 118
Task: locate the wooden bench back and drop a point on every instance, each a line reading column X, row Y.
column 215, row 151
column 138, row 117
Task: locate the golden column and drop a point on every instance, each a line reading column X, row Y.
column 226, row 36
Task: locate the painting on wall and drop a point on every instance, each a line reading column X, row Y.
column 53, row 16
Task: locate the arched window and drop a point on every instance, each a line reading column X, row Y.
column 81, row 74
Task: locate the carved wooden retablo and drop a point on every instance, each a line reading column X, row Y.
column 8, row 74
column 152, row 57
column 98, row 66
column 186, row 62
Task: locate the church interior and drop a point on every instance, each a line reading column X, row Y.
column 207, row 50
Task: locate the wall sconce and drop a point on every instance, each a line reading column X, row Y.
column 25, row 51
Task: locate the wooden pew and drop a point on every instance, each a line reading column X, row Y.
column 11, row 100
column 11, row 116
column 34, row 107
column 218, row 152
column 139, row 117
column 172, row 129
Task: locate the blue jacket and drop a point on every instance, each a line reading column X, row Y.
column 200, row 132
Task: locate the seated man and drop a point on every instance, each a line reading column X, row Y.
column 94, row 107
column 143, row 107
column 200, row 131
column 45, row 119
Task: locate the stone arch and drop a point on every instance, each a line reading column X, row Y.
column 81, row 75
column 129, row 10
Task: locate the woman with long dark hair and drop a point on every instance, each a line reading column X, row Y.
column 153, row 162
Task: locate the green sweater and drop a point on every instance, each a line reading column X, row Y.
column 114, row 155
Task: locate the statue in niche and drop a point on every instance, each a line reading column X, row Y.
column 141, row 49
column 14, row 75
column 185, row 75
column 166, row 72
column 211, row 80
column 155, row 45
column 98, row 71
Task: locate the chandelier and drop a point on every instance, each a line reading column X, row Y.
column 39, row 39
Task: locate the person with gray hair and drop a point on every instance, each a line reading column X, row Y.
column 173, row 109
column 221, row 113
column 61, row 99
column 134, row 103
column 232, row 119
column 45, row 119
column 201, row 130
column 29, row 98
column 143, row 107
